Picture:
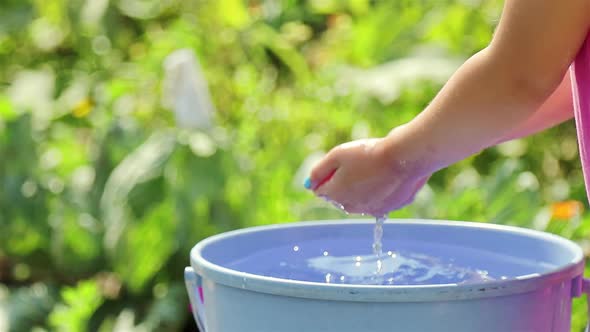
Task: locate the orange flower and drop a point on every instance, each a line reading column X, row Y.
column 566, row 210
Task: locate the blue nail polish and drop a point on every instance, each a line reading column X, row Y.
column 307, row 183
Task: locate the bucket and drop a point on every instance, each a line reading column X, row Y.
column 273, row 279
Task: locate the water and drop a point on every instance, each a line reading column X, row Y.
column 347, row 261
column 409, row 268
column 406, row 268
column 350, row 260
column 378, row 247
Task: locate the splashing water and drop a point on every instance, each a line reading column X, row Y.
column 393, row 268
column 350, row 261
column 378, row 246
column 377, row 239
column 399, row 268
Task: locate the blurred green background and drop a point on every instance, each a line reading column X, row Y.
column 131, row 129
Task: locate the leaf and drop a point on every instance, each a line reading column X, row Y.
column 23, row 239
column 233, row 13
column 77, row 306
column 145, row 9
column 7, row 112
column 76, row 242
column 146, row 247
column 15, row 17
column 4, row 320
column 266, row 36
column 30, row 306
column 505, row 202
column 142, row 165
column 164, row 312
column 325, row 6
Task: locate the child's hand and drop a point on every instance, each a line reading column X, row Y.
column 369, row 176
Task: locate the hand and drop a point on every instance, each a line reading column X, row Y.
column 371, row 176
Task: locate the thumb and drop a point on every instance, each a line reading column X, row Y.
column 322, row 172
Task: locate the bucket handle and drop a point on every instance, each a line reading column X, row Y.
column 194, row 288
column 585, row 289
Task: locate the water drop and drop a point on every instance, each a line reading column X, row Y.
column 379, row 266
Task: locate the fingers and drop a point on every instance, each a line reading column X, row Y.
column 356, row 179
column 322, row 172
column 340, row 193
column 329, row 188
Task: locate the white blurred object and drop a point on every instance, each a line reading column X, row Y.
column 385, row 82
column 527, row 181
column 126, row 322
column 542, row 219
column 468, row 178
column 360, row 130
column 186, row 92
column 46, row 35
column 145, row 9
column 424, row 202
column 93, row 11
column 514, row 148
column 74, row 93
column 559, row 190
column 4, row 309
column 33, row 91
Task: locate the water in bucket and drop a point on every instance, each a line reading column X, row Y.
column 407, row 268
column 367, row 277
column 395, row 262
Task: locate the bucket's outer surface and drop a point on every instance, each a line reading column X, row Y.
column 230, row 301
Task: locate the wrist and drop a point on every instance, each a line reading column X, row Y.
column 406, row 148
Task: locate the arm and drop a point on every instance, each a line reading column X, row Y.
column 499, row 88
column 556, row 109
column 493, row 97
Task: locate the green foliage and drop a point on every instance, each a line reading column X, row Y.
column 28, row 307
column 102, row 194
column 79, row 303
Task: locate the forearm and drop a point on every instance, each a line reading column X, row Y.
column 556, row 109
column 498, row 89
column 483, row 102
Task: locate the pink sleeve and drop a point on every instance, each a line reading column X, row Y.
column 580, row 74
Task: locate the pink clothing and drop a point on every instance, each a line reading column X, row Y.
column 580, row 74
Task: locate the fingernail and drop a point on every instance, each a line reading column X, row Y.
column 307, row 183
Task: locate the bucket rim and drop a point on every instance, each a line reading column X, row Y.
column 387, row 293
